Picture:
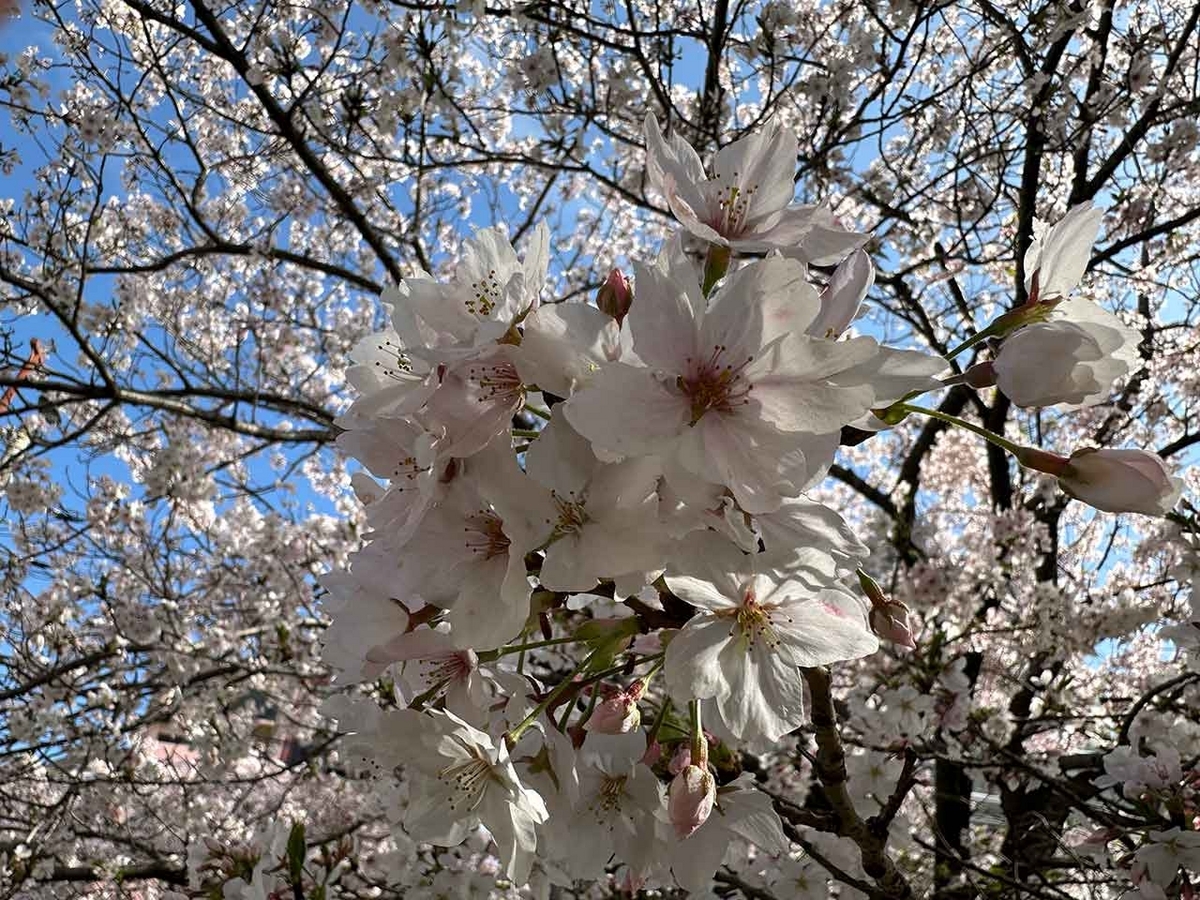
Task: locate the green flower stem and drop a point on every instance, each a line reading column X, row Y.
column 1015, row 449
column 617, row 670
column 699, row 744
column 525, row 433
column 514, row 734
column 658, row 721
column 1010, row 321
column 971, row 342
column 492, row 655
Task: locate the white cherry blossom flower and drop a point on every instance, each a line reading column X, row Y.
column 1167, row 851
column 747, row 203
column 489, row 293
column 564, row 344
column 474, row 401
column 752, row 632
column 728, row 385
column 364, row 616
column 799, row 879
column 468, row 556
column 459, row 779
column 607, row 523
column 619, row 808
column 433, row 666
column 1072, row 359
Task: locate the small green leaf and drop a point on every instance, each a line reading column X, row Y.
column 296, row 849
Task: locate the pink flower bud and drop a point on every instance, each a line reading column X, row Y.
column 681, row 760
column 691, row 799
column 615, row 297
column 617, row 714
column 889, row 620
column 980, row 375
column 1121, row 481
column 652, row 755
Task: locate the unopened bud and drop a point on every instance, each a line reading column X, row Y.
column 681, row 759
column 980, row 375
column 617, row 714
column 1121, row 481
column 615, row 297
column 889, row 618
column 653, row 754
column 690, row 800
column 890, row 622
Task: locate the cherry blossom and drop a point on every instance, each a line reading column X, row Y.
column 467, row 779
column 752, row 632
column 1121, row 481
column 747, row 204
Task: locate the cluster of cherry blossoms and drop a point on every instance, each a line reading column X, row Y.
column 638, row 468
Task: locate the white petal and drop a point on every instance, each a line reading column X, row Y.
column 626, row 410
column 561, row 459
column 661, row 320
column 564, row 345
column 692, row 669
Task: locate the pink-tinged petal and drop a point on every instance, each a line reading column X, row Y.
column 605, row 548
column 674, row 159
column 536, row 262
column 790, row 387
column 1040, row 365
column 440, row 309
column 1060, row 254
column 693, row 218
column 627, row 411
column 742, row 453
column 564, row 570
column 694, row 861
column 800, row 522
column 893, row 374
column 748, row 712
column 493, row 603
column 561, row 459
column 824, row 243
column 826, row 628
column 524, row 506
column 692, row 669
column 750, row 813
column 424, row 643
column 662, row 321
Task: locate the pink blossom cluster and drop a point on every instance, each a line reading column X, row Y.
column 642, row 465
